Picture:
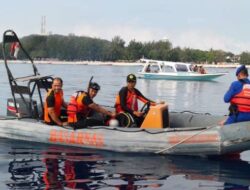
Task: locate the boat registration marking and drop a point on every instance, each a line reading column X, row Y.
column 74, row 137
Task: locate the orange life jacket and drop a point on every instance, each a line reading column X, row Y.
column 76, row 106
column 58, row 104
column 242, row 99
column 131, row 102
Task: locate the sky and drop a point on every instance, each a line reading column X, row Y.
column 197, row 24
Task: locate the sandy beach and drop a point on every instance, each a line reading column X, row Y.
column 123, row 63
column 77, row 62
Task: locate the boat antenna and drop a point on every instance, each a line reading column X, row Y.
column 90, row 81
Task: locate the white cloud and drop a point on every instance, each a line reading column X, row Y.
column 206, row 40
column 196, row 39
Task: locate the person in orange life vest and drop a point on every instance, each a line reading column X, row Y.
column 81, row 107
column 239, row 97
column 127, row 100
column 53, row 104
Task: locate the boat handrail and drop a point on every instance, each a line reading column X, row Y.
column 32, row 77
column 33, row 83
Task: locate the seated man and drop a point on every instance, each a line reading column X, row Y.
column 127, row 100
column 81, row 107
column 53, row 104
column 202, row 70
column 239, row 97
column 148, row 69
column 195, row 69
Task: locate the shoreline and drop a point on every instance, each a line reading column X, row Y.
column 97, row 63
column 109, row 63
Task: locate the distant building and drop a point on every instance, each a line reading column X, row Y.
column 233, row 59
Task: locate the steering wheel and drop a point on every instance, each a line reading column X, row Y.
column 145, row 108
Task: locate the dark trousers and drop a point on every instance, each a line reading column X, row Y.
column 139, row 120
column 86, row 122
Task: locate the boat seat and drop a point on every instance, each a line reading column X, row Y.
column 21, row 89
column 41, row 81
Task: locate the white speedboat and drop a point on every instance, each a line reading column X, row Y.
column 154, row 69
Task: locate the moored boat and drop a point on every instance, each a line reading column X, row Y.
column 155, row 69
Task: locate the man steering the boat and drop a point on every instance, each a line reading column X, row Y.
column 81, row 108
column 239, row 97
column 53, row 104
column 127, row 101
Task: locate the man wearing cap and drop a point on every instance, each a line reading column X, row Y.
column 239, row 97
column 81, row 107
column 127, row 100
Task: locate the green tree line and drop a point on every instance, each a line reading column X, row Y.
column 77, row 48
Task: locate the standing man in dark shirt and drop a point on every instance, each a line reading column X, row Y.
column 53, row 104
column 81, row 107
column 127, row 100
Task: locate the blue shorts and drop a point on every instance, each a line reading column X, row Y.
column 242, row 116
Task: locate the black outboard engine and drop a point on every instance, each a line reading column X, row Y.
column 24, row 108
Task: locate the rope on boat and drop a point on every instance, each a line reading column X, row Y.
column 165, row 130
column 117, row 129
column 183, row 140
column 188, row 111
column 128, row 131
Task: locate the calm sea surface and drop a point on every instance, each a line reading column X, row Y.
column 39, row 166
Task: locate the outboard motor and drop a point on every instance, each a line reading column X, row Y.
column 24, row 108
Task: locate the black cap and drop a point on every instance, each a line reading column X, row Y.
column 94, row 86
column 131, row 78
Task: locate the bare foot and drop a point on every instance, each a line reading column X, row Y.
column 221, row 123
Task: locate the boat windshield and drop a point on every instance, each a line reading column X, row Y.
column 155, row 68
column 168, row 68
column 181, row 68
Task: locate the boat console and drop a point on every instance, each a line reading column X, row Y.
column 157, row 117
